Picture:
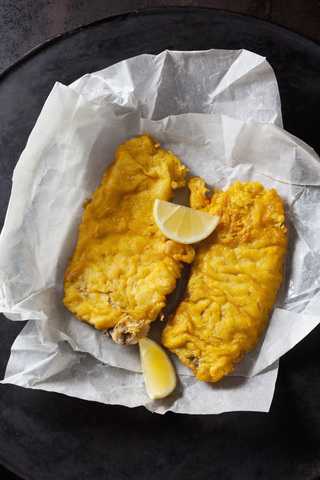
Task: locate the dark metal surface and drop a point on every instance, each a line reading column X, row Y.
column 50, row 436
column 24, row 24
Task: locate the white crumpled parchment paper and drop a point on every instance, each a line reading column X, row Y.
column 219, row 111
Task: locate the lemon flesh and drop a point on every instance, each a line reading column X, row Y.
column 183, row 224
column 158, row 371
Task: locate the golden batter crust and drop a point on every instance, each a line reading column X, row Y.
column 234, row 279
column 123, row 267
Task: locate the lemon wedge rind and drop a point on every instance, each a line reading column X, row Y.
column 158, row 371
column 183, row 224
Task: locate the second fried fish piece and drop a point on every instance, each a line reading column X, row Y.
column 123, row 267
column 234, row 279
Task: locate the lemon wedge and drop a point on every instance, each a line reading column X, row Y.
column 158, row 371
column 183, row 224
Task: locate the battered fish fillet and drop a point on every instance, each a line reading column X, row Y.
column 123, row 267
column 233, row 282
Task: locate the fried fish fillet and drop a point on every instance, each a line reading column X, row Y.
column 123, row 267
column 233, row 282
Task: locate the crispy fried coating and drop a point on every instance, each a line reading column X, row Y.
column 123, row 267
column 233, row 282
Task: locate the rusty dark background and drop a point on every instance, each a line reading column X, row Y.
column 24, row 24
column 285, row 442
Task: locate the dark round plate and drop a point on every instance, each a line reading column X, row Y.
column 54, row 437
